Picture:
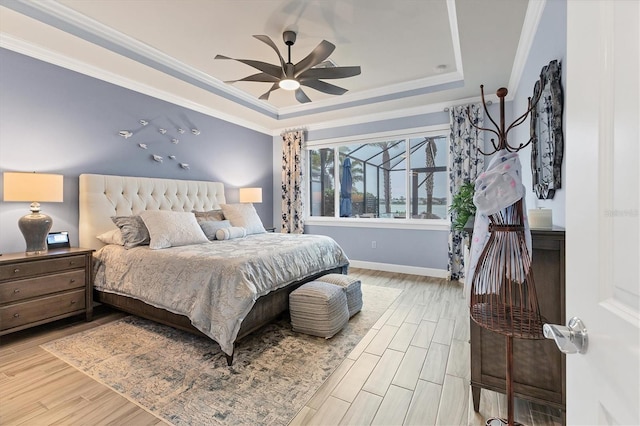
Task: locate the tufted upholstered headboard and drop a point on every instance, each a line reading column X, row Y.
column 104, row 196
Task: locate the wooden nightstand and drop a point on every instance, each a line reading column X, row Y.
column 37, row 289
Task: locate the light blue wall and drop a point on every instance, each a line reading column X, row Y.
column 59, row 121
column 549, row 43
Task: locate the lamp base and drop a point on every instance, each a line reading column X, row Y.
column 34, row 228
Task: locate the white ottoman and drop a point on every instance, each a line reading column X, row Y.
column 352, row 287
column 318, row 308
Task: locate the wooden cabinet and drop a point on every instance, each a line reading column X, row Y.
column 37, row 289
column 539, row 367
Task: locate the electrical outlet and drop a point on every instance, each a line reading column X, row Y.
column 373, row 244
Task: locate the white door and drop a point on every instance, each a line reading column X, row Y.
column 602, row 94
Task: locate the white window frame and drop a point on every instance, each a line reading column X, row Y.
column 387, row 223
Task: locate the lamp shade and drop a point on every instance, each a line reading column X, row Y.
column 250, row 195
column 39, row 187
column 34, row 187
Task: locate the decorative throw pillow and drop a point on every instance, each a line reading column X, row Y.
column 172, row 229
column 112, row 237
column 231, row 233
column 208, row 216
column 245, row 216
column 134, row 232
column 209, row 227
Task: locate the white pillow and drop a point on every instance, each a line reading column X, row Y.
column 172, row 229
column 230, row 233
column 112, row 237
column 244, row 216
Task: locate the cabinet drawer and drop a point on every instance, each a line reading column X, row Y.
column 38, row 267
column 14, row 291
column 26, row 312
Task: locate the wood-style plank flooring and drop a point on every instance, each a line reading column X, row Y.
column 411, row 368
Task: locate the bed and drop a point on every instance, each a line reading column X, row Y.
column 224, row 289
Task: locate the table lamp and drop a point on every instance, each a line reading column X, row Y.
column 250, row 195
column 34, row 187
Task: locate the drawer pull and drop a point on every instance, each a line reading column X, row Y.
column 15, row 271
column 73, row 280
column 71, row 263
column 16, row 315
column 17, row 290
column 73, row 302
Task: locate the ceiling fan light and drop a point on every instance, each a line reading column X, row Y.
column 289, row 84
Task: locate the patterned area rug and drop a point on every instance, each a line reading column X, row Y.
column 184, row 378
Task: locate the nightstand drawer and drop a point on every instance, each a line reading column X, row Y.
column 38, row 267
column 14, row 291
column 47, row 307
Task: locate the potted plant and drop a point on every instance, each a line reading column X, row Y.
column 462, row 206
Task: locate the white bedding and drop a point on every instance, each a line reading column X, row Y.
column 215, row 284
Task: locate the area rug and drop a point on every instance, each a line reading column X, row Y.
column 185, row 380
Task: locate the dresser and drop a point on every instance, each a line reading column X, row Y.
column 36, row 289
column 539, row 367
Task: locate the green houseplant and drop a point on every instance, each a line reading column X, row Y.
column 462, row 206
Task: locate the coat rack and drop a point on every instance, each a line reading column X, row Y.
column 503, row 293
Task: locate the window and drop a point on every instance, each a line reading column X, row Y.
column 391, row 178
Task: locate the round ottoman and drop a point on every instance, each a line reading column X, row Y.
column 318, row 308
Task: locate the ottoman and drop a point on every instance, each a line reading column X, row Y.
column 352, row 287
column 318, row 308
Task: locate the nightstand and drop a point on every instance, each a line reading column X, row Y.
column 36, row 289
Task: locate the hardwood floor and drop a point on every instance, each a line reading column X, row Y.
column 411, row 368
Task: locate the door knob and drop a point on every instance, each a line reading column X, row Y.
column 570, row 339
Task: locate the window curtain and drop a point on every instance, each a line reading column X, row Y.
column 465, row 164
column 292, row 173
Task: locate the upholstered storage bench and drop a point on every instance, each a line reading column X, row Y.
column 318, row 308
column 352, row 287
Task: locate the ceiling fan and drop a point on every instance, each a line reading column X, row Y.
column 288, row 76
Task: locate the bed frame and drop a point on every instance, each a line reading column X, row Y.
column 104, row 196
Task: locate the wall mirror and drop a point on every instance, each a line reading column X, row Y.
column 546, row 132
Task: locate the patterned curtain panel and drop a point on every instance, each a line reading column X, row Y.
column 292, row 173
column 466, row 163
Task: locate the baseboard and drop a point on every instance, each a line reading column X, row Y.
column 402, row 269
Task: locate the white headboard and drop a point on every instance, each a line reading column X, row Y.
column 104, row 196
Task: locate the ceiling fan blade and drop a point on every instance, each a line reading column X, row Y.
column 270, row 69
column 265, row 95
column 324, row 87
column 302, row 97
column 262, row 77
column 328, row 73
column 317, row 55
column 267, row 40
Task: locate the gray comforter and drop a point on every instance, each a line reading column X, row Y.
column 215, row 284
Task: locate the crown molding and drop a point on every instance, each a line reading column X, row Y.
column 532, row 19
column 393, row 114
column 23, row 47
column 68, row 20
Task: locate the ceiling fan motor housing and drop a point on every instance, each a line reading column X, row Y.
column 289, row 37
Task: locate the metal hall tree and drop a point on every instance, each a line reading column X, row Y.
column 503, row 293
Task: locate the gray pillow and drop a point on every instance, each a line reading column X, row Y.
column 208, row 216
column 209, row 227
column 134, row 231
